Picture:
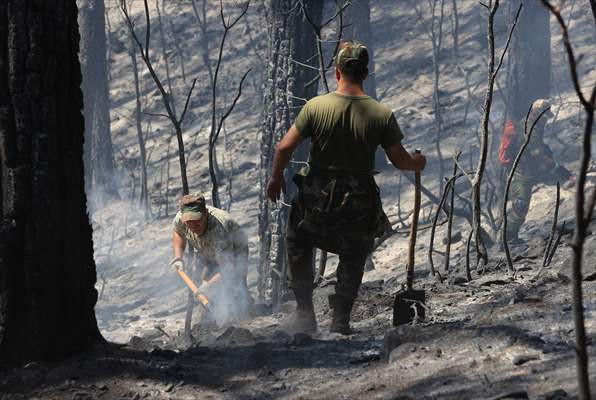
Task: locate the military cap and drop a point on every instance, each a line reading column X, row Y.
column 352, row 56
column 538, row 106
column 192, row 207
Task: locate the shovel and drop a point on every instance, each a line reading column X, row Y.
column 409, row 303
column 195, row 290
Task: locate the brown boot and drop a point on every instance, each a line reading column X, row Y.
column 303, row 320
column 342, row 307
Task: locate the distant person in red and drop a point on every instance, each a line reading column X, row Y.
column 537, row 165
column 338, row 208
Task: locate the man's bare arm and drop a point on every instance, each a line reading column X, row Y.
column 179, row 243
column 403, row 160
column 283, row 154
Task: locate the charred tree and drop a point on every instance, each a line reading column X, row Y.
column 583, row 211
column 530, row 59
column 357, row 26
column 284, row 94
column 47, row 271
column 98, row 154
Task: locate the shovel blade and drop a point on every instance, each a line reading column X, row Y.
column 408, row 305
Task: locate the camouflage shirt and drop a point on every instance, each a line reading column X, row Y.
column 222, row 239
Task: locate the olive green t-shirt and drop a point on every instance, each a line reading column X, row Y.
column 346, row 130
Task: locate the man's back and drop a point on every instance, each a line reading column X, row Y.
column 346, row 130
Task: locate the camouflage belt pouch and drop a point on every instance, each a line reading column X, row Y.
column 339, row 202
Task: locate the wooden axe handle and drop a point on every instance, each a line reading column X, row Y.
column 413, row 231
column 194, row 289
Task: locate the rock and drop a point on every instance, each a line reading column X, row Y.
column 281, row 337
column 563, row 278
column 302, row 339
column 139, row 344
column 236, row 337
column 558, row 394
column 524, row 358
column 455, row 237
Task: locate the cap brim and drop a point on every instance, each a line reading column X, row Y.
column 191, row 216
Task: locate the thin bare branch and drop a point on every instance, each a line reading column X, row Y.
column 509, row 38
column 194, row 81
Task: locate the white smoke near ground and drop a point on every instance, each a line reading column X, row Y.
column 230, row 300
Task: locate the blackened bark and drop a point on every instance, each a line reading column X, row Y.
column 99, row 154
column 284, row 85
column 47, row 272
column 530, row 58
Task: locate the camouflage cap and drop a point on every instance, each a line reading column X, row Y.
column 538, row 106
column 352, row 56
column 192, row 207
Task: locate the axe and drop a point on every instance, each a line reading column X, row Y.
column 195, row 290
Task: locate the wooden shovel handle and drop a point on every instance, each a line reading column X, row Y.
column 413, row 230
column 194, row 289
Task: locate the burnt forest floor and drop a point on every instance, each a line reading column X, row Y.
column 500, row 336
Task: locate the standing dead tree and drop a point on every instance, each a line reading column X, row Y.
column 202, row 21
column 176, row 121
column 481, row 250
column 583, row 211
column 450, row 217
column 138, row 125
column 164, row 52
column 167, row 98
column 215, row 130
column 99, row 153
column 434, row 31
column 287, row 86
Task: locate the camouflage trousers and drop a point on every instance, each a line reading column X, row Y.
column 337, row 212
column 520, row 195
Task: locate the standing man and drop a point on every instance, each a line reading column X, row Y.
column 338, row 208
column 537, row 165
column 223, row 251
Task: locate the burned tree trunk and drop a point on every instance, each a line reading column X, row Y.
column 99, row 155
column 284, row 91
column 357, row 26
column 47, row 272
column 530, row 59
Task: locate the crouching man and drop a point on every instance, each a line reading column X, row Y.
column 222, row 250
